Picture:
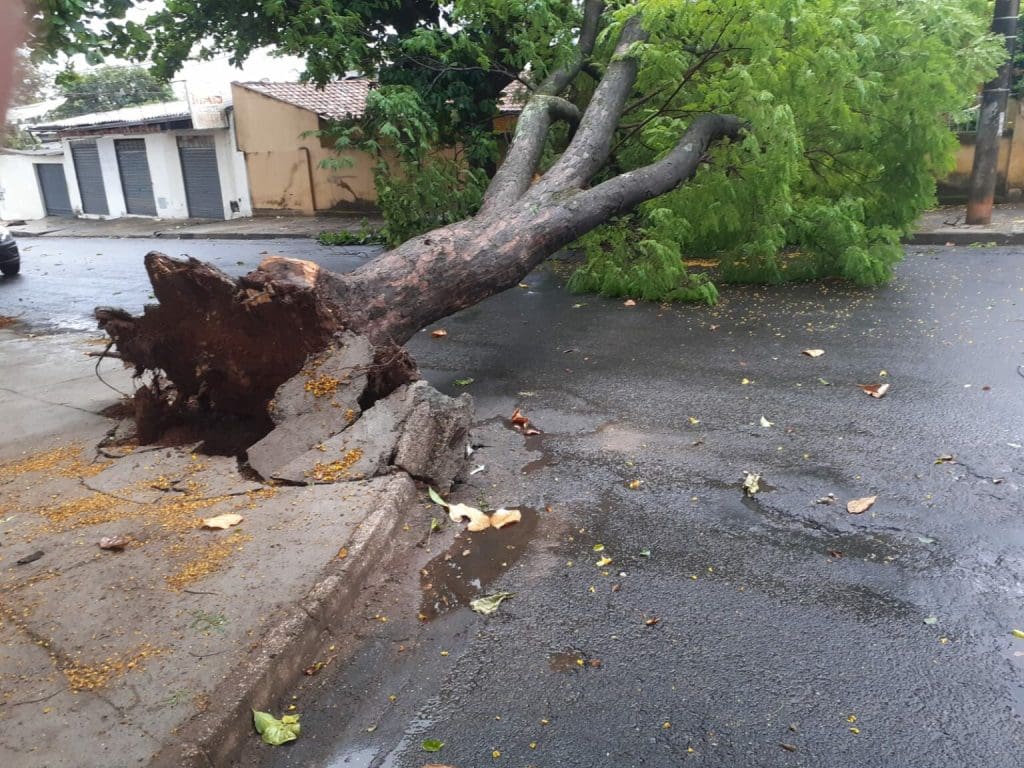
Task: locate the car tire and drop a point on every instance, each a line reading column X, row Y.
column 9, row 270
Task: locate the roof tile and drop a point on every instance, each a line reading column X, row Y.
column 337, row 100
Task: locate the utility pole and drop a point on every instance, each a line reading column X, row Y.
column 991, row 118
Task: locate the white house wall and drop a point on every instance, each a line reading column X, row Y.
column 21, row 199
column 165, row 172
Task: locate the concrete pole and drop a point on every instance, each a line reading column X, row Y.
column 991, row 118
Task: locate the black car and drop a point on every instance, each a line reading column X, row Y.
column 10, row 259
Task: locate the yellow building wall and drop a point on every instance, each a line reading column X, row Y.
column 283, row 164
column 1009, row 165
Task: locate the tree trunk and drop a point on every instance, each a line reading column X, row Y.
column 227, row 345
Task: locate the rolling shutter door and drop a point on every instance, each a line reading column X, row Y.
column 55, row 189
column 90, row 177
column 136, row 183
column 202, row 182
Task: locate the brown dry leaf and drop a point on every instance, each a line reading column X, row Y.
column 836, row 553
column 115, row 543
column 440, row 333
column 875, row 390
column 813, row 352
column 343, row 553
column 634, row 485
column 478, row 521
column 529, row 431
column 221, row 522
column 629, row 303
column 652, row 621
column 519, row 419
column 860, row 506
column 504, row 517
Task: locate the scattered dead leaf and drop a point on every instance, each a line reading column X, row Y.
column 836, row 553
column 813, row 352
column 115, row 543
column 440, row 333
column 504, row 517
column 860, row 506
column 751, row 483
column 946, row 458
column 652, row 621
column 343, row 553
column 634, row 485
column 30, row 558
column 875, row 390
column 629, row 303
column 518, row 419
column 788, row 747
column 478, row 521
column 222, row 522
column 828, row 499
column 528, row 431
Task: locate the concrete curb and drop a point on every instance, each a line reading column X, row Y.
column 965, row 238
column 164, row 235
column 294, row 638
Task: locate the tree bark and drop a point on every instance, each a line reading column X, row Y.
column 227, row 345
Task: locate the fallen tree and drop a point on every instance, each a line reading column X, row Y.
column 219, row 348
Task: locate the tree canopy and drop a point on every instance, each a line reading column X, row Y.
column 843, row 103
column 108, row 88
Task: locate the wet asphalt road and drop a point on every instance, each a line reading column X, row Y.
column 783, row 625
column 63, row 279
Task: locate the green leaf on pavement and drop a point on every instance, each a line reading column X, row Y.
column 464, row 382
column 432, row 745
column 645, row 553
column 1018, row 633
column 488, row 604
column 436, row 498
column 276, row 732
column 435, row 525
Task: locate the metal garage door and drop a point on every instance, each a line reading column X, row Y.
column 133, row 166
column 55, row 189
column 202, row 183
column 90, row 177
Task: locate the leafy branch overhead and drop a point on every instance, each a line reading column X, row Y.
column 843, row 103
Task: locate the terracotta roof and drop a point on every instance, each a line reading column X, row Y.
column 337, row 100
column 513, row 98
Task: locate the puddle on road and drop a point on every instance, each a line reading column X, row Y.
column 471, row 563
column 572, row 661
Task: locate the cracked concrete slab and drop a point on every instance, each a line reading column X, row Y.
column 108, row 657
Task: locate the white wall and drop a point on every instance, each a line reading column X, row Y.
column 165, row 172
column 21, row 199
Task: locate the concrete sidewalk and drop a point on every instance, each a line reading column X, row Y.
column 154, row 653
column 255, row 228
column 945, row 226
column 937, row 227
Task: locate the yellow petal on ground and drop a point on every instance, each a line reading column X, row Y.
column 504, row 517
column 603, row 562
column 859, row 506
column 478, row 521
column 222, row 522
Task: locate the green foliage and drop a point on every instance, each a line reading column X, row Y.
column 108, row 88
column 845, row 102
column 365, row 235
column 420, row 185
column 624, row 259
